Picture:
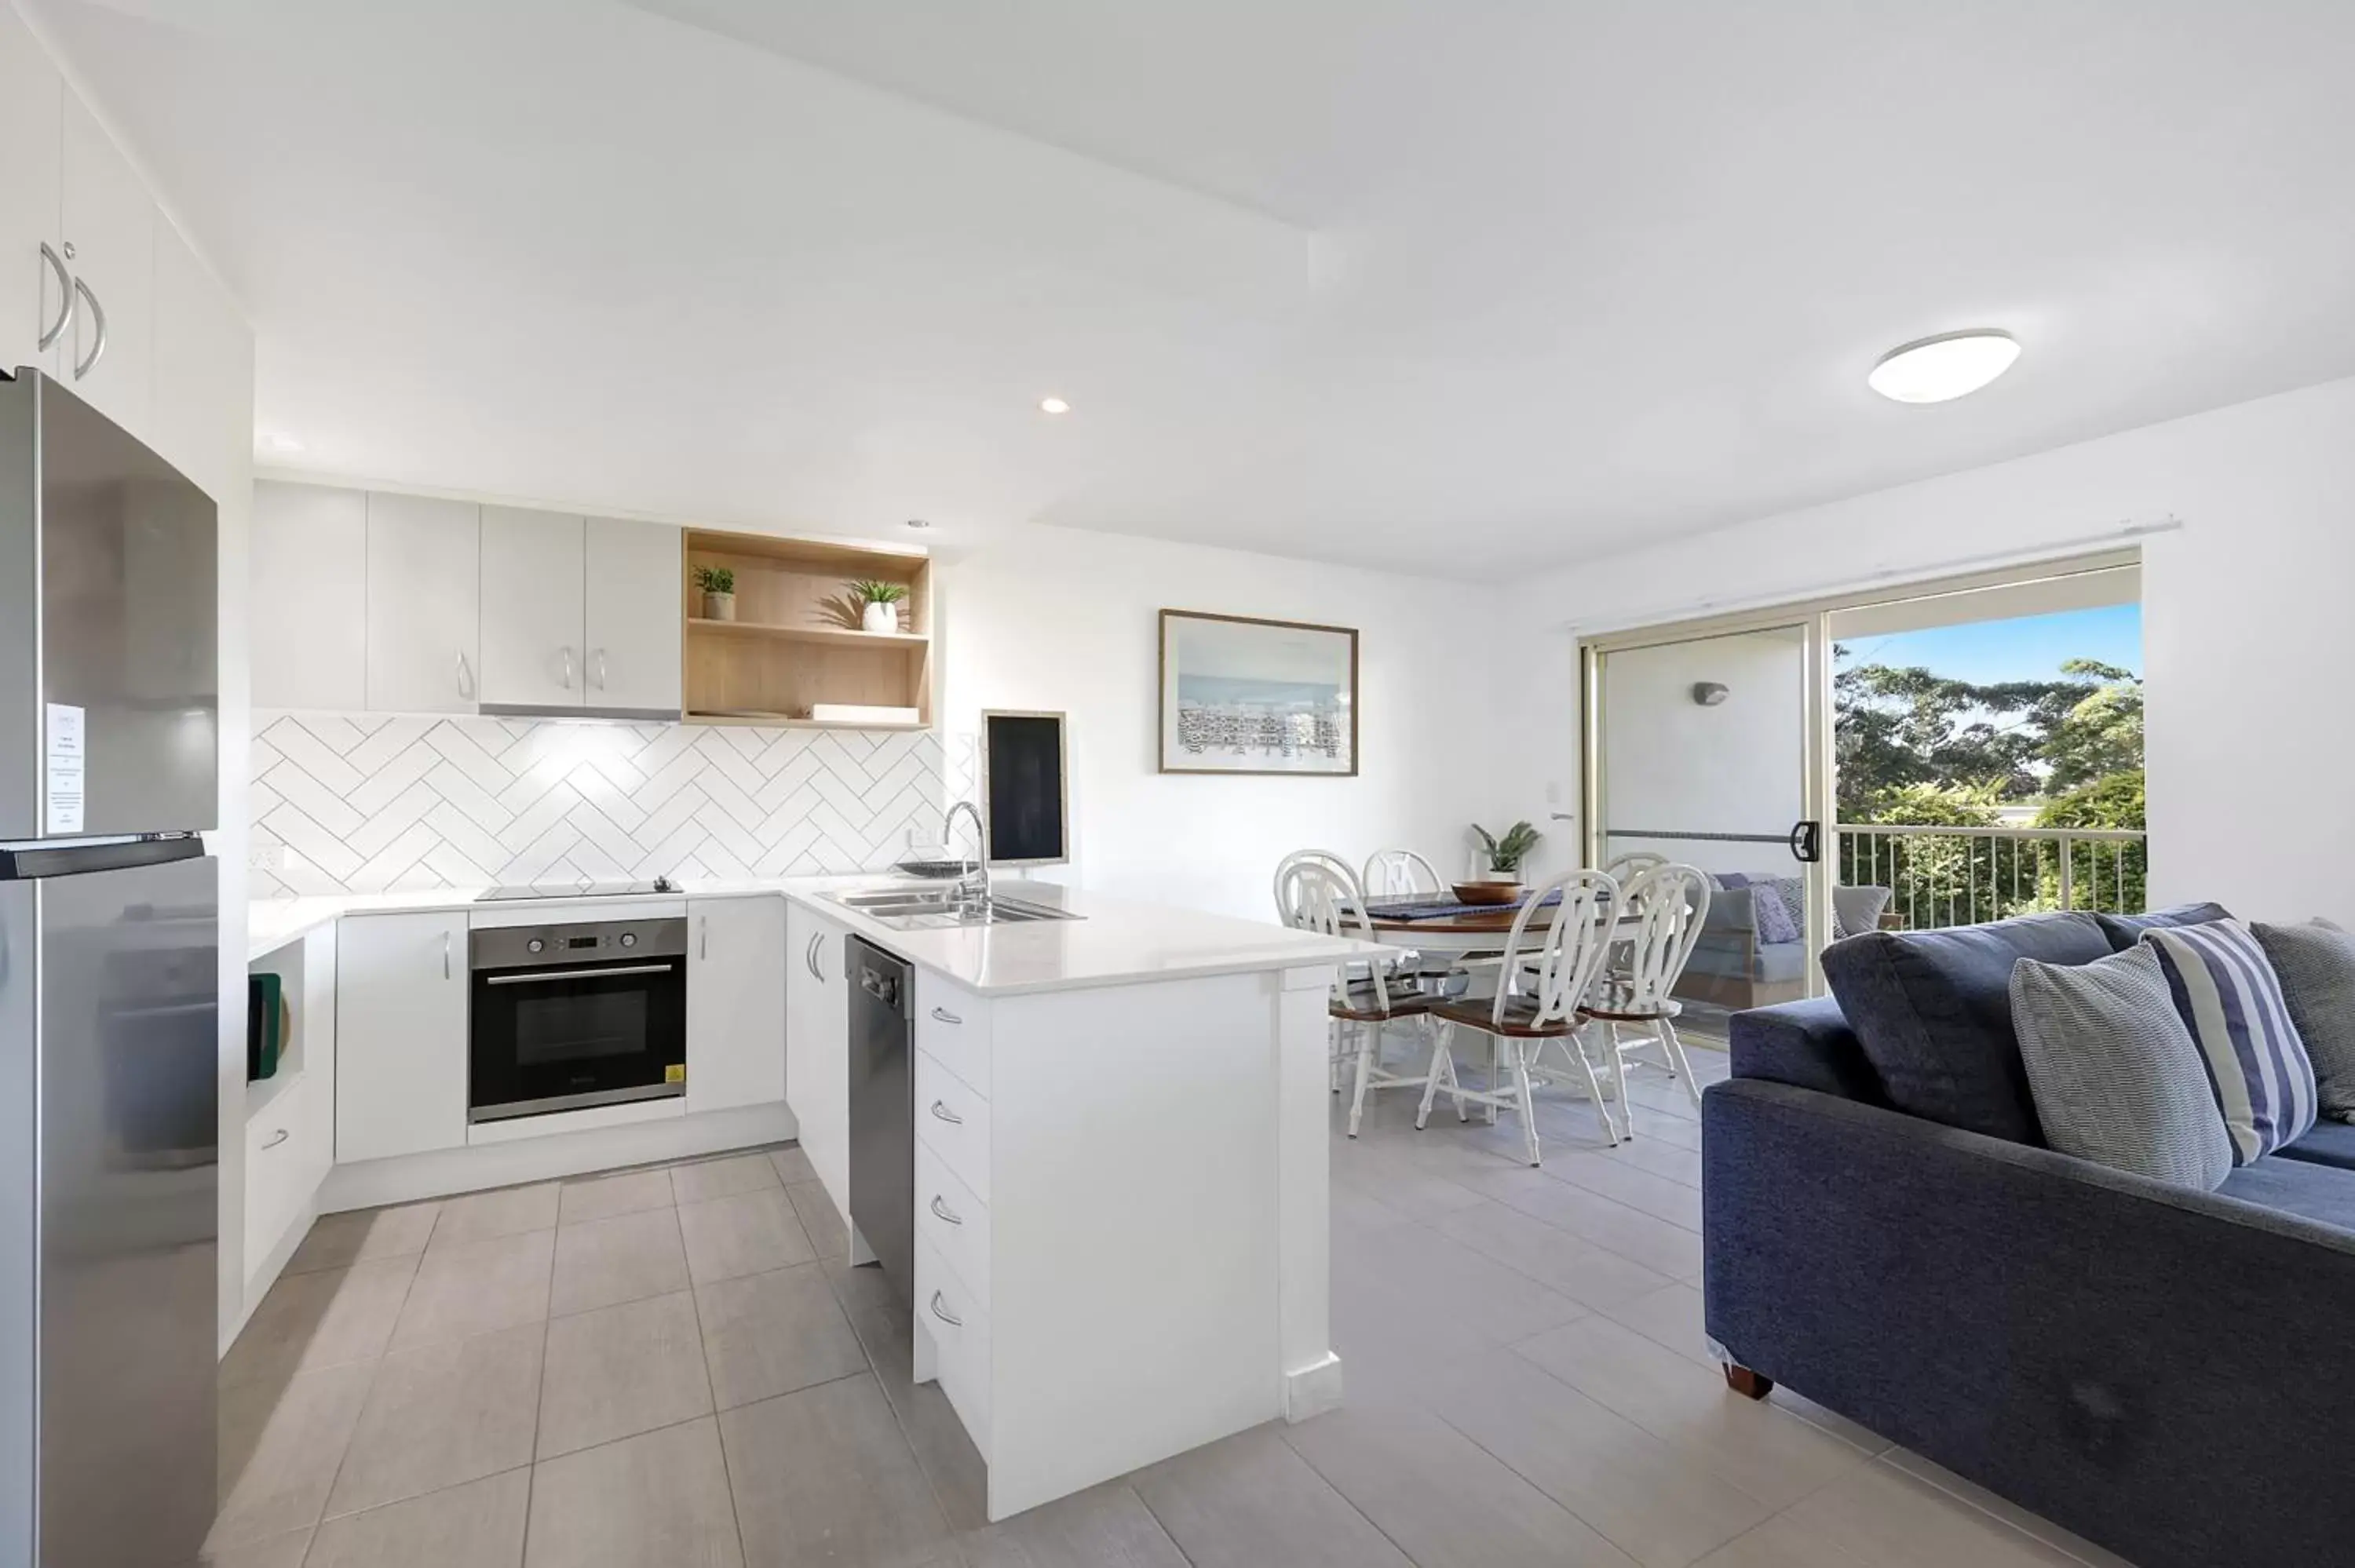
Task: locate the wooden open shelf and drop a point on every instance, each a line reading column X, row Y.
column 796, row 640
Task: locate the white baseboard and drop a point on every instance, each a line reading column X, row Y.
column 408, row 1178
column 1313, row 1390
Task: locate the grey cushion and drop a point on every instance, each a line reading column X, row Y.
column 1856, row 910
column 2117, row 1077
column 2316, row 966
column 1933, row 1010
column 2125, row 930
column 2330, row 1144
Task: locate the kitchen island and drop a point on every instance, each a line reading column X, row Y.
column 1120, row 1245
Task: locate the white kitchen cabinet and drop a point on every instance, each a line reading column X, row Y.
column 632, row 615
column 736, row 1033
column 284, row 1143
column 531, row 574
column 424, row 599
column 400, row 1035
column 201, row 420
column 817, row 1062
column 109, row 224
column 309, row 569
column 32, row 295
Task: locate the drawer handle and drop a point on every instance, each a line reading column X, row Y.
column 942, row 1210
column 945, row 1016
column 946, row 1115
column 276, row 1138
column 943, row 1314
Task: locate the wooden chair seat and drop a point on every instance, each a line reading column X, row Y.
column 1519, row 1023
column 1362, row 1003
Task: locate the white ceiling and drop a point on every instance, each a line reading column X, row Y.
column 1463, row 286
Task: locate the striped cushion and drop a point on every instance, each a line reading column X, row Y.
column 2228, row 994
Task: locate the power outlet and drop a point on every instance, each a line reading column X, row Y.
column 265, row 857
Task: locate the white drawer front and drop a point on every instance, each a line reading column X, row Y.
column 952, row 1024
column 959, row 1326
column 955, row 1221
column 953, row 1119
column 280, row 1156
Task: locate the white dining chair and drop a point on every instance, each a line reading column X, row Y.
column 1366, row 997
column 1667, row 905
column 1626, row 868
column 1396, row 872
column 1288, row 888
column 1552, row 957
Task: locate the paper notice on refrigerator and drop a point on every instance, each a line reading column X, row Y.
column 65, row 781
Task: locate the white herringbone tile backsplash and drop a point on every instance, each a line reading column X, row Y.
column 366, row 802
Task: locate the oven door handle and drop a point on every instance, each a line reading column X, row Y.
column 541, row 976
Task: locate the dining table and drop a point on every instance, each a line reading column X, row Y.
column 1440, row 923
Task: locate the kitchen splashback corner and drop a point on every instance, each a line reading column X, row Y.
column 371, row 803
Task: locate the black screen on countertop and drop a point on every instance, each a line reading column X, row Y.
column 1026, row 786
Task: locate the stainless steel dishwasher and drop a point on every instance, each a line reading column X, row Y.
column 882, row 1108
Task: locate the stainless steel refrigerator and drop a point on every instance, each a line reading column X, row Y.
column 108, row 992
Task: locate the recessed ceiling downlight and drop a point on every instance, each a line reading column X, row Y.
column 1951, row 364
column 1053, row 406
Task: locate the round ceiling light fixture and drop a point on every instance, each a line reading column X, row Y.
column 1950, row 365
column 279, row 442
column 919, row 523
column 1053, row 406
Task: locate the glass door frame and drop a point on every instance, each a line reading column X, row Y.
column 1820, row 783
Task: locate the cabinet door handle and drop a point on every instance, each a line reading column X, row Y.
column 98, row 344
column 942, row 1113
column 65, row 304
column 942, row 1211
column 568, row 669
column 465, row 677
column 276, row 1138
column 601, row 669
column 943, row 1314
column 810, row 958
column 703, row 936
column 445, row 954
column 945, row 1016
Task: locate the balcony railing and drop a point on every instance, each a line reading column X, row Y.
column 1960, row 876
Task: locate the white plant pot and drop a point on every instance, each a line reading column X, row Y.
column 719, row 607
column 881, row 617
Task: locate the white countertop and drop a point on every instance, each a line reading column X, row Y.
column 1118, row 941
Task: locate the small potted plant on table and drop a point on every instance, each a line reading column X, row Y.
column 718, row 585
column 878, row 602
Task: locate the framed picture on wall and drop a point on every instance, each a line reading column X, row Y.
column 1241, row 696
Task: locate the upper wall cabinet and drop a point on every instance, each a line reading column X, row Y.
column 34, row 281
column 202, row 415
column 532, row 654
column 109, row 245
column 631, row 615
column 424, row 612
column 310, row 575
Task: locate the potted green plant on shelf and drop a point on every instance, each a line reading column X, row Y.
column 718, row 585
column 879, row 603
column 1508, row 849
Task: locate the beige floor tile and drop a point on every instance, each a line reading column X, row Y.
column 625, row 1258
column 602, row 1197
column 660, row 1498
column 825, row 1474
column 338, row 1240
column 1249, row 1501
column 328, row 1318
column 960, row 1479
column 1441, row 1498
column 503, row 1212
column 476, row 1288
column 1775, row 1457
column 749, row 1232
column 1831, row 1421
column 1881, row 1515
column 281, row 1449
column 1780, row 1543
column 794, row 1167
column 767, row 1334
column 1105, row 1527
column 478, row 1524
column 1668, row 1161
column 442, row 1414
column 2004, row 1509
column 821, row 1221
column 708, row 1179
column 1646, row 1497
column 1570, row 1266
column 278, row 1551
column 1622, row 1182
column 1452, row 1282
column 621, row 1370
column 1671, row 1316
column 1662, row 1247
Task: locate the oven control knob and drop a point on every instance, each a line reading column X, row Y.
column 535, row 945
column 629, row 938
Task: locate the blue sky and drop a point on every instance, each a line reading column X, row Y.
column 2028, row 648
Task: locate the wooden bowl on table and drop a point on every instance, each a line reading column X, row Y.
column 1491, row 891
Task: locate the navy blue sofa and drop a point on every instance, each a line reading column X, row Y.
column 2169, row 1373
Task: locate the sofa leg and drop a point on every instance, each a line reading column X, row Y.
column 1747, row 1384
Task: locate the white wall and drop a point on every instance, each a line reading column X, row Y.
column 2246, row 623
column 1068, row 620
column 1737, row 767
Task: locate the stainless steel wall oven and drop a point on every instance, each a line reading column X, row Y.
column 567, row 1016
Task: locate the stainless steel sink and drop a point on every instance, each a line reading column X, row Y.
column 937, row 908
